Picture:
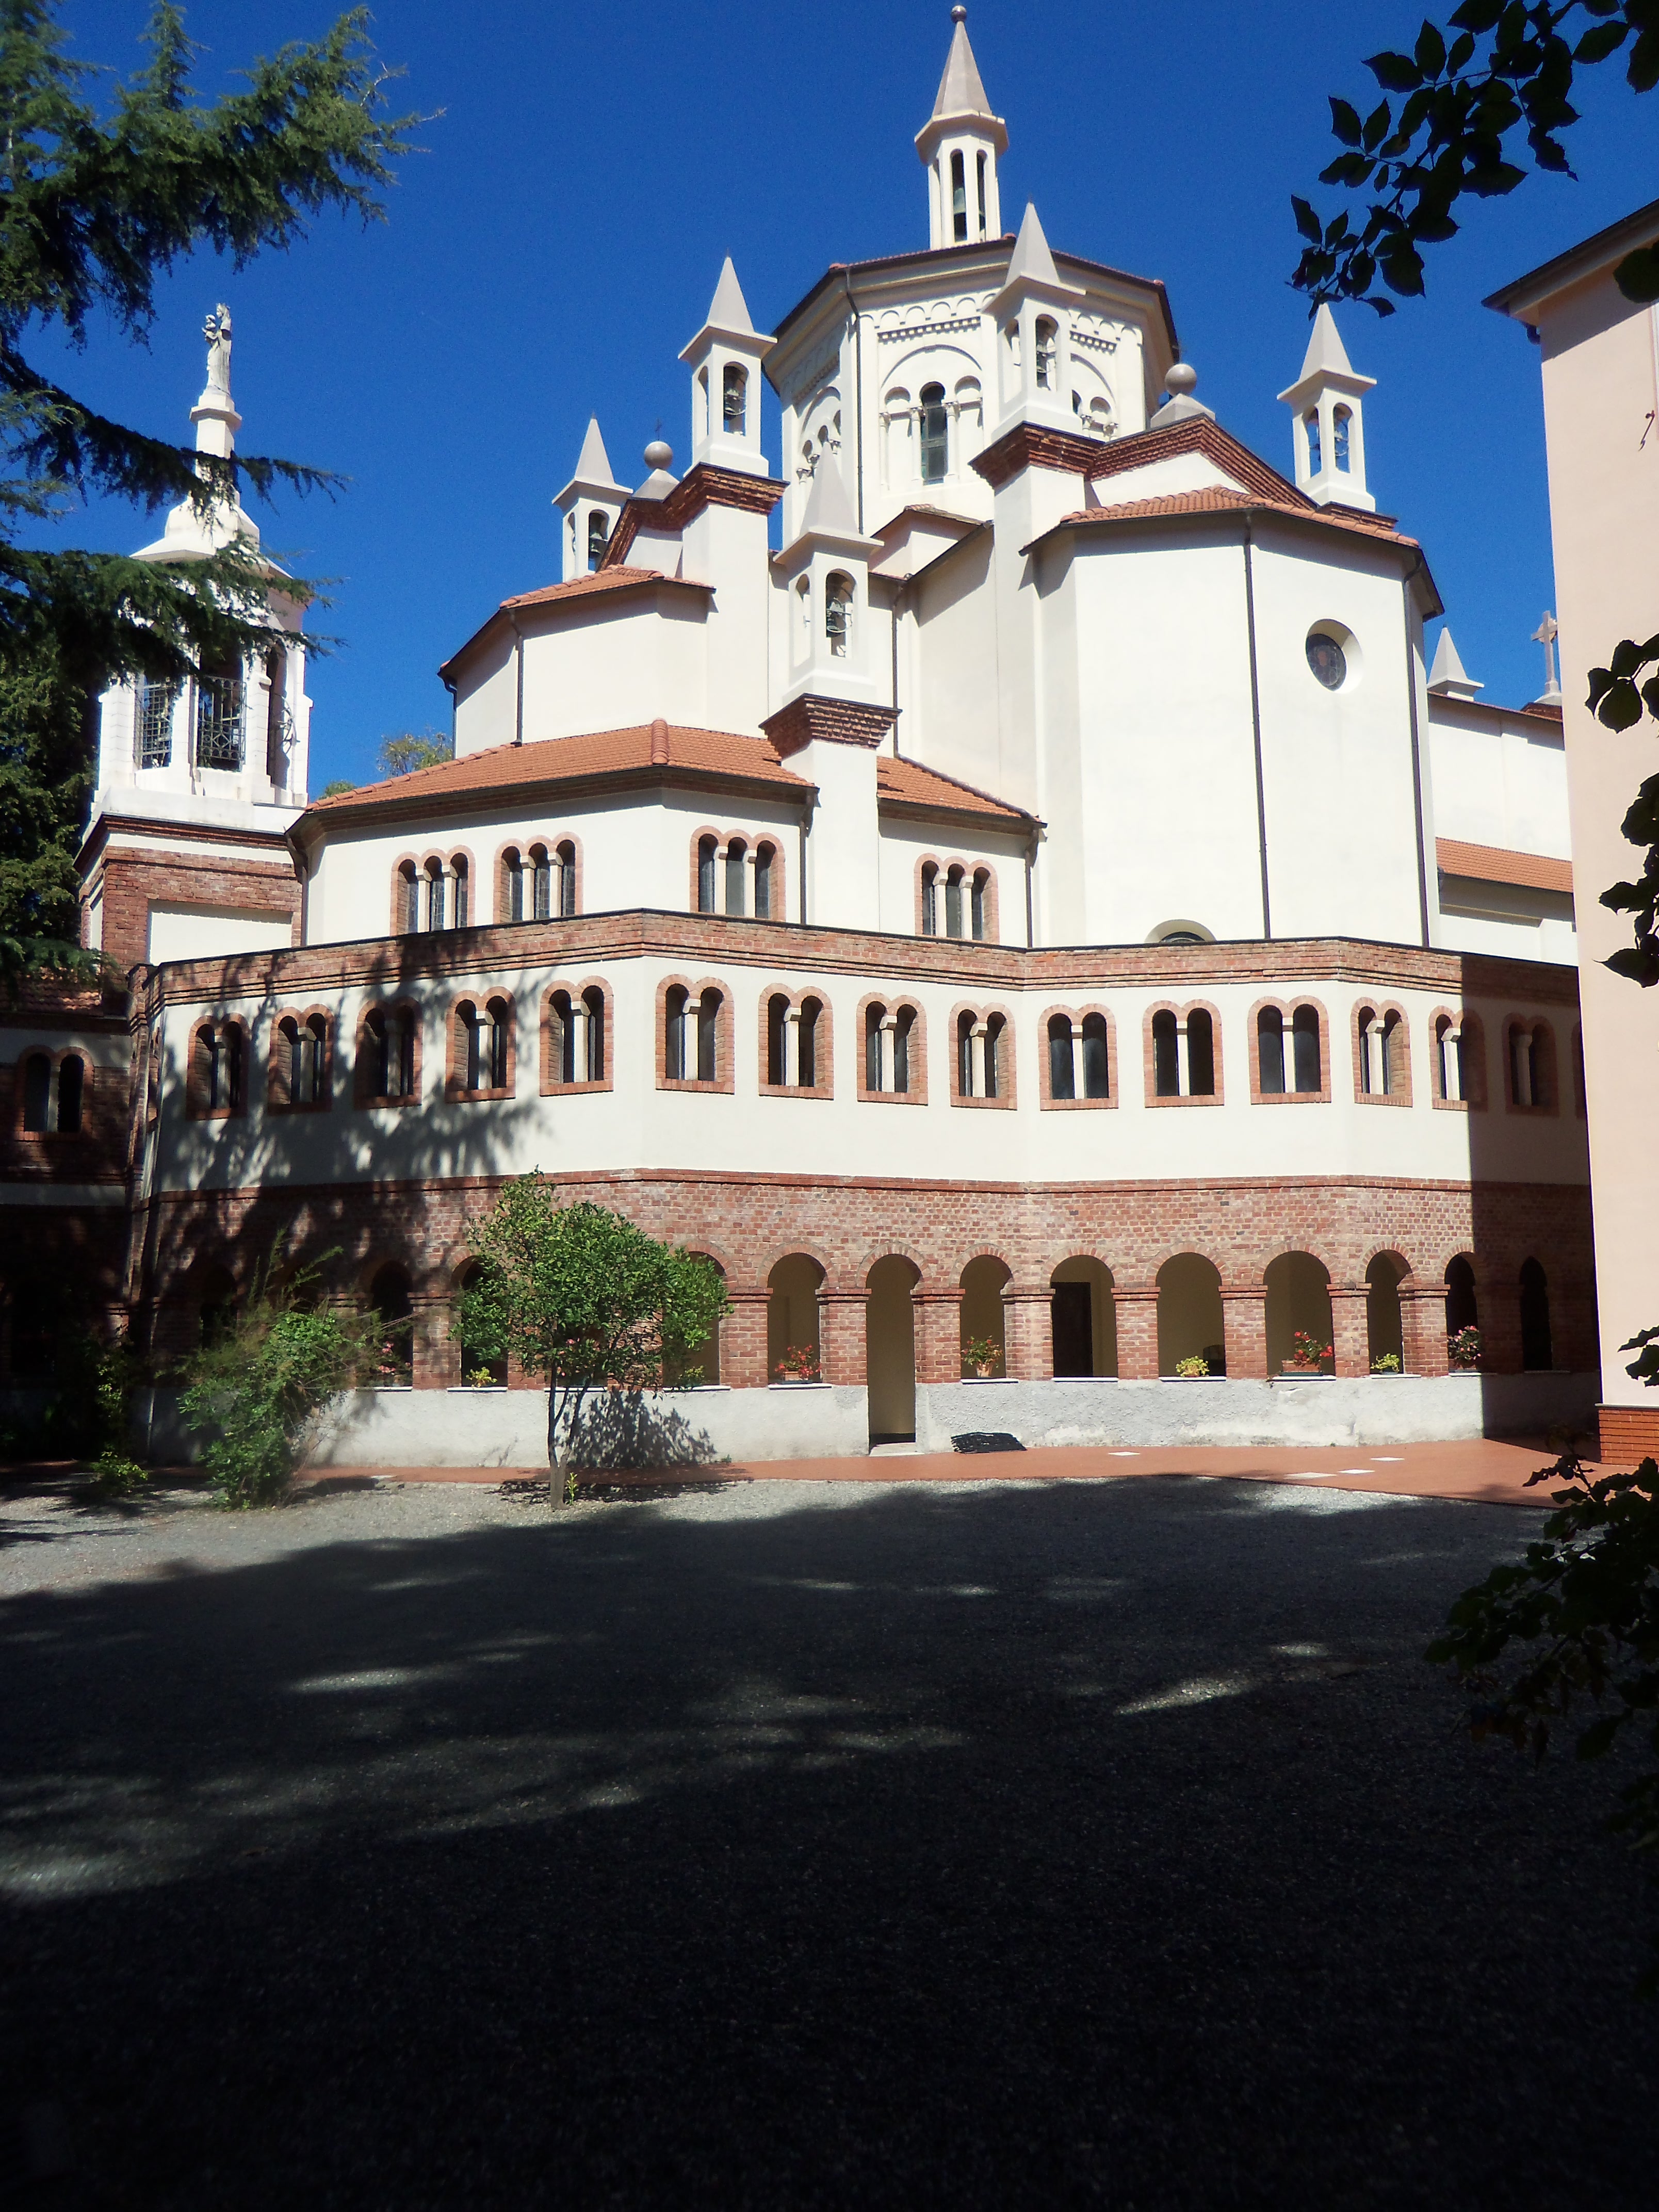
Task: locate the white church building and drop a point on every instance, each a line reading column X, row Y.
column 1002, row 878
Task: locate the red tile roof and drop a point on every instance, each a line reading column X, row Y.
column 1216, row 499
column 910, row 784
column 579, row 587
column 717, row 754
column 1495, row 864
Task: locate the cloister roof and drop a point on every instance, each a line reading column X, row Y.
column 907, row 783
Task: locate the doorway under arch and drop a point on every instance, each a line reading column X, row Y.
column 792, row 1311
column 1385, row 1327
column 983, row 1319
column 1189, row 1320
column 1084, row 1318
column 889, row 1348
column 1298, row 1304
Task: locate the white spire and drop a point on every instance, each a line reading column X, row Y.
column 593, row 463
column 725, row 359
column 1330, row 432
column 728, row 310
column 1448, row 677
column 1031, row 261
column 589, row 505
column 828, row 507
column 959, row 144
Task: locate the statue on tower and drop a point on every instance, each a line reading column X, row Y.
column 217, row 331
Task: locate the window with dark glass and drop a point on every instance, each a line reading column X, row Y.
column 935, row 435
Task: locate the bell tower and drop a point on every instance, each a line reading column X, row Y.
column 725, row 359
column 1329, row 421
column 959, row 144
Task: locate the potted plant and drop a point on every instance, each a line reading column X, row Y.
column 1192, row 1367
column 1463, row 1349
column 1387, row 1363
column 799, row 1363
column 1307, row 1355
column 981, row 1356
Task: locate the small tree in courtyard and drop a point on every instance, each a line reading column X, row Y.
column 582, row 1296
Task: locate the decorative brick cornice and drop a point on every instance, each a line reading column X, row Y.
column 842, row 721
column 699, row 487
column 1027, row 445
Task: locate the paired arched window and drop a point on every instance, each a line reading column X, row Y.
column 957, row 901
column 1459, row 1059
column 388, row 1056
column 1291, row 1061
column 1380, row 1055
column 298, row 1066
column 838, row 613
column 1532, row 1066
column 434, row 895
column 691, row 1035
column 734, row 404
column 218, row 1069
column 1183, row 1053
column 576, row 1041
column 483, row 1063
column 892, row 1056
column 984, row 1057
column 53, row 1092
column 539, row 882
column 796, row 1035
column 1079, row 1061
column 935, row 435
column 723, row 876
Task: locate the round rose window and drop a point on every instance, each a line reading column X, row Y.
column 1327, row 661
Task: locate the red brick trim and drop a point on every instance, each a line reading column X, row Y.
column 553, row 843
column 942, row 865
column 752, row 841
column 823, row 1045
column 196, row 1106
column 1627, row 1434
column 724, row 1035
column 701, row 487
column 277, row 1100
column 842, row 721
column 366, row 1053
column 1287, row 1010
column 553, row 1084
column 1383, row 1011
column 1007, row 1057
column 1539, row 1026
column 1076, row 1016
column 1148, row 1065
column 1027, row 447
column 456, row 1031
column 916, row 1067
column 54, row 1059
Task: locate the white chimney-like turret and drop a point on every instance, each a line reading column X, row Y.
column 959, row 144
column 1329, row 428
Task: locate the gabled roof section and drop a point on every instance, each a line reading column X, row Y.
column 646, row 754
column 1523, row 298
column 1200, row 435
column 615, row 580
column 907, row 784
column 1493, row 863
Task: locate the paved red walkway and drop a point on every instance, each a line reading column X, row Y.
column 1485, row 1473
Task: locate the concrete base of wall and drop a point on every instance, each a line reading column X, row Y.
column 704, row 1428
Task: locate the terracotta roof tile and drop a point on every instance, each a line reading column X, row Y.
column 909, row 783
column 582, row 587
column 1495, row 864
column 1216, row 499
column 562, row 760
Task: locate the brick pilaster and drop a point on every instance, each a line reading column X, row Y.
column 841, row 1353
column 1137, row 1334
column 1423, row 1328
column 743, row 1341
column 1351, row 1337
column 939, row 1335
column 1028, row 1337
column 1245, row 1332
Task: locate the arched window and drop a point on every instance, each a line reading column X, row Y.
column 953, row 902
column 1062, row 1079
column 1310, row 425
column 1270, row 1051
column 509, row 904
column 1166, row 1056
column 708, row 1018
column 706, row 875
column 1048, row 351
column 436, row 901
column 463, row 887
column 838, row 613
column 674, row 1028
column 219, row 716
column 567, row 859
column 592, row 1004
column 388, row 1064
column 935, row 435
column 978, row 904
column 1096, row 1070
column 218, row 1073
column 1305, row 1036
column 599, row 537
column 541, row 884
column 930, row 900
column 888, row 1035
column 576, row 1036
column 152, row 742
column 980, row 164
column 1380, row 1053
column 763, row 858
column 980, row 1072
column 393, row 1309
column 736, row 863
column 1536, row 1349
column 958, row 201
column 1341, row 417
column 472, row 1046
column 473, row 1359
column 37, row 1094
column 483, row 1043
column 300, row 1059
column 1201, row 1053
column 733, row 400
column 409, row 899
column 1531, row 1065
column 279, row 728
column 1461, row 1311
column 792, row 1042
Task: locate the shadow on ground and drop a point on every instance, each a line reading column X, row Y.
column 1074, row 1845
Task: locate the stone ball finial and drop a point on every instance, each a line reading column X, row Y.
column 1181, row 380
column 958, row 15
column 659, row 454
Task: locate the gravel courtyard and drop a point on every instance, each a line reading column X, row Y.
column 792, row 1844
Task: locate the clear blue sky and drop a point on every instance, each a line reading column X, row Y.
column 558, row 242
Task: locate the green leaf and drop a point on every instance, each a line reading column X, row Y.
column 1477, row 15
column 1634, row 965
column 1345, row 121
column 1604, row 39
column 1627, row 658
column 1376, row 127
column 1429, row 51
column 1638, row 275
column 1395, row 72
column 1642, row 72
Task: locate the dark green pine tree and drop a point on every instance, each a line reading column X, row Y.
column 106, row 185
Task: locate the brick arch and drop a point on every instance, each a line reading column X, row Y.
column 552, row 1082
column 725, row 1035
column 1287, row 1008
column 1381, row 1009
column 1008, row 1094
column 1181, row 1008
column 824, row 1042
column 873, row 1253
column 54, row 1057
column 455, row 1089
column 1533, row 1023
column 362, row 1095
column 894, row 1001
column 276, row 1098
column 1077, row 1015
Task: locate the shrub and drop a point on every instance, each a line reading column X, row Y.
column 1387, row 1363
column 1463, row 1348
column 1196, row 1363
